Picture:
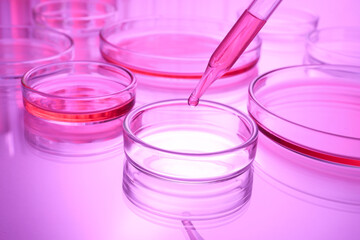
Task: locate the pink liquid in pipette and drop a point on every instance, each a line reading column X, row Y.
column 226, row 54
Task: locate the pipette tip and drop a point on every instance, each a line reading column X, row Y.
column 193, row 101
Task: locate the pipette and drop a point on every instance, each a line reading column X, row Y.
column 234, row 44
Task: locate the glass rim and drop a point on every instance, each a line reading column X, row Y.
column 312, row 66
column 311, row 39
column 303, row 20
column 104, row 36
column 29, row 73
column 336, row 28
column 36, row 9
column 336, row 158
column 68, row 49
column 306, row 15
column 133, row 113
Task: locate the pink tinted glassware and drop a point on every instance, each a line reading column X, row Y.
column 309, row 140
column 186, row 163
column 81, row 19
column 234, row 44
column 25, row 47
column 22, row 48
column 169, row 55
column 283, row 43
column 312, row 110
column 72, row 143
column 340, row 45
column 78, row 92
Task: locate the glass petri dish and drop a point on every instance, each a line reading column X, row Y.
column 24, row 47
column 312, row 110
column 280, row 27
column 188, row 163
column 169, row 56
column 82, row 20
column 78, row 92
column 334, row 46
column 283, row 44
column 74, row 17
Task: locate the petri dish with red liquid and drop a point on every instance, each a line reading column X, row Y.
column 188, row 163
column 78, row 92
column 313, row 110
column 309, row 138
column 169, row 56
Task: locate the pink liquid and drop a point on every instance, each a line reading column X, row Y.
column 328, row 112
column 226, row 54
column 101, row 115
column 74, row 100
column 172, row 55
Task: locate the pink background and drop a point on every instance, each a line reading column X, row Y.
column 50, row 197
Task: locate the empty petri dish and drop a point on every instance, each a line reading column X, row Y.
column 24, row 47
column 283, row 44
column 339, row 45
column 169, row 56
column 186, row 163
column 312, row 110
column 82, row 20
column 78, row 92
column 280, row 27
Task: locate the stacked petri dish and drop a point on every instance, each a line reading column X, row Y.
column 80, row 19
column 169, row 56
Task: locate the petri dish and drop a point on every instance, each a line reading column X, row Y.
column 309, row 136
column 186, row 163
column 75, row 17
column 169, row 56
column 78, row 92
column 82, row 20
column 24, row 47
column 339, row 45
column 312, row 110
column 280, row 26
column 283, row 44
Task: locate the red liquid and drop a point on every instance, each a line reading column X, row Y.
column 79, row 99
column 307, row 151
column 171, row 55
column 226, row 54
column 102, row 115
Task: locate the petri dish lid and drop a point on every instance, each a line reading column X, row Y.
column 313, row 110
